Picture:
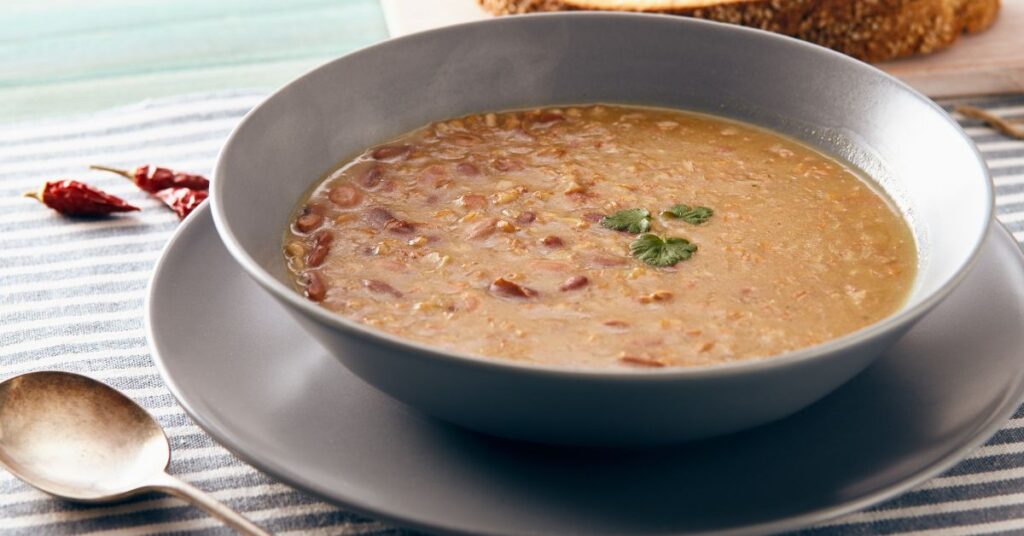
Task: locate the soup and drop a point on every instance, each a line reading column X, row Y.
column 601, row 236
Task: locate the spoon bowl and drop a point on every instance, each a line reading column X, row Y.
column 79, row 439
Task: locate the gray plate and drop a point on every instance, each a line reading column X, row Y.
column 249, row 376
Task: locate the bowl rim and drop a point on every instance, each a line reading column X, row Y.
column 399, row 344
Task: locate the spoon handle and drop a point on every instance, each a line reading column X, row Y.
column 201, row 499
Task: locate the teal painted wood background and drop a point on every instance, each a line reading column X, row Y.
column 68, row 56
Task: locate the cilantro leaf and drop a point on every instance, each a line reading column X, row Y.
column 691, row 215
column 634, row 220
column 653, row 250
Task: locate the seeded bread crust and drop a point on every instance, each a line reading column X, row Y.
column 871, row 30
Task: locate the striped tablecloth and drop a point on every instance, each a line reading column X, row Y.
column 71, row 298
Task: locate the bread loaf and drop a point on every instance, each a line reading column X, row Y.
column 871, row 30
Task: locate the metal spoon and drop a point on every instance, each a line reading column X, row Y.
column 79, row 439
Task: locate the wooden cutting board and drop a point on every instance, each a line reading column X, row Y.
column 987, row 63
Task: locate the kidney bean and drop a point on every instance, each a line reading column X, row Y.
column 378, row 217
column 308, row 221
column 552, row 241
column 391, row 152
column 549, row 117
column 574, row 282
column 316, row 256
column 526, row 218
column 344, row 196
column 321, row 247
column 398, row 226
column 483, row 228
column 546, row 119
column 579, row 197
column 371, row 177
column 467, row 168
column 316, row 290
column 380, row 287
column 593, row 217
column 640, row 361
column 382, row 219
column 504, row 287
column 323, row 238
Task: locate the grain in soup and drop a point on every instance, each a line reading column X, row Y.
column 602, row 236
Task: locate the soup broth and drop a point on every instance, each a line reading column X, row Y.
column 602, row 236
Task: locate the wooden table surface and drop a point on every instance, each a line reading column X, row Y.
column 988, row 63
column 68, row 56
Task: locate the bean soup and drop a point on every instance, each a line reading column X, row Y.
column 602, row 236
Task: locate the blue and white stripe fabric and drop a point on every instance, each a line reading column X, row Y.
column 71, row 298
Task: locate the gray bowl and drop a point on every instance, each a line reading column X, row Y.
column 844, row 107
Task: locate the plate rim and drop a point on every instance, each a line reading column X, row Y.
column 1012, row 400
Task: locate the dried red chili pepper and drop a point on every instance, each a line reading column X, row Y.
column 74, row 198
column 155, row 179
column 181, row 200
column 182, row 192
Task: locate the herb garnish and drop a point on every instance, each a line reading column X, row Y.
column 691, row 215
column 634, row 220
column 654, row 250
column 651, row 248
